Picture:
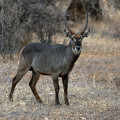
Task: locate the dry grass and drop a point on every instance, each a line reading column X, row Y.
column 94, row 87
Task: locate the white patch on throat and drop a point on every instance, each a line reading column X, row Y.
column 75, row 51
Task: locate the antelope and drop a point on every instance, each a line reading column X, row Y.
column 54, row 60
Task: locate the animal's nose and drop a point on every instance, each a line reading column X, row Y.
column 78, row 47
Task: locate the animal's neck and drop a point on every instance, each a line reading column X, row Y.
column 71, row 57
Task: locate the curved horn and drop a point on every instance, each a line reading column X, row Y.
column 85, row 25
column 66, row 24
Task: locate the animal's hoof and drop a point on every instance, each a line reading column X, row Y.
column 67, row 103
column 40, row 101
column 10, row 98
column 58, row 104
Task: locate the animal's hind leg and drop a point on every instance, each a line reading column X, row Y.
column 22, row 69
column 32, row 84
column 15, row 80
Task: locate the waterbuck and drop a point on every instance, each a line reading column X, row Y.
column 55, row 60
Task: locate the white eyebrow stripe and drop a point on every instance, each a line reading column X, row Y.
column 72, row 36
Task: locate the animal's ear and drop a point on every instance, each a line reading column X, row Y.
column 67, row 33
column 86, row 33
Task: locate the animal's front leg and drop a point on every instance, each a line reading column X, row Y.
column 65, row 85
column 56, row 87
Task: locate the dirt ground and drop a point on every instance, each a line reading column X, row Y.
column 94, row 87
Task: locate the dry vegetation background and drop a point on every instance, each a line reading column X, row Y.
column 94, row 83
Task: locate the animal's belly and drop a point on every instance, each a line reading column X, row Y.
column 50, row 70
column 45, row 73
column 63, row 73
column 44, row 70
